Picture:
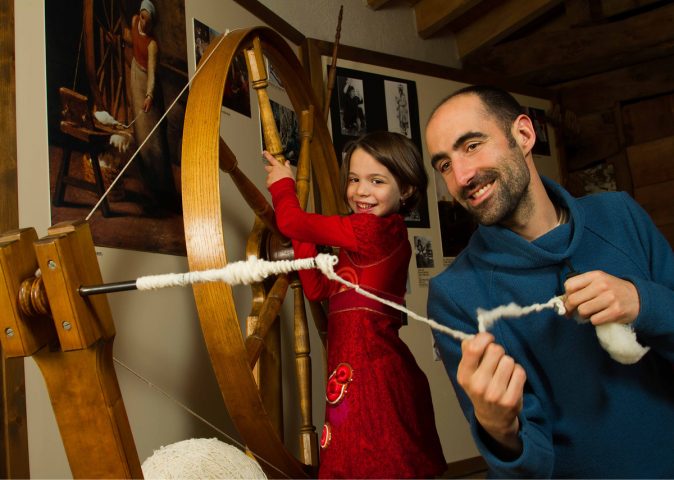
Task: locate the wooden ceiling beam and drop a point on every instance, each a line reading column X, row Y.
column 377, row 4
column 560, row 56
column 497, row 23
column 433, row 15
column 618, row 7
column 603, row 90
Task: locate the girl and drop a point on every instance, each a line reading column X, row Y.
column 379, row 415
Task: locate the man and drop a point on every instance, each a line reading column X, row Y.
column 541, row 395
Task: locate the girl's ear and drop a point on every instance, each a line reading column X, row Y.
column 406, row 192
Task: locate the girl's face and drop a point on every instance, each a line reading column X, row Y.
column 371, row 187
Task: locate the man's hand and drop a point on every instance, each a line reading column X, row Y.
column 495, row 385
column 276, row 170
column 602, row 298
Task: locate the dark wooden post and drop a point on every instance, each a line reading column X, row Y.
column 14, row 434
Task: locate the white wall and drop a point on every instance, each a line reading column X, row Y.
column 391, row 29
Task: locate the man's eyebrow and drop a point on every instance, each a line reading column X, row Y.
column 467, row 136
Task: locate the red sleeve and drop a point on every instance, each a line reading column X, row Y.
column 305, row 231
column 316, row 286
column 295, row 223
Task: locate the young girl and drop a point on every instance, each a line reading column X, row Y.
column 379, row 416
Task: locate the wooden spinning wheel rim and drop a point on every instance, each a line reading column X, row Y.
column 204, row 233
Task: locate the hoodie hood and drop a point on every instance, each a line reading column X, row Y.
column 500, row 247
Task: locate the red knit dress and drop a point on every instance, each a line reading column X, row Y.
column 379, row 420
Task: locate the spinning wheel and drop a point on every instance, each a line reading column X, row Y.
column 71, row 336
column 234, row 357
column 104, row 58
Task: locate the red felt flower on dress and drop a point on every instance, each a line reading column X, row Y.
column 337, row 383
column 326, row 435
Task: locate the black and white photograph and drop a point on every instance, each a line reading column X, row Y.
column 288, row 130
column 351, row 106
column 397, row 108
column 423, row 251
column 542, row 145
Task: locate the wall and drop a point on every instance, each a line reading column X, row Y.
column 389, row 30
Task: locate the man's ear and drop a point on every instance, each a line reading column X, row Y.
column 524, row 133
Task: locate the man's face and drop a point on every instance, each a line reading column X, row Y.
column 484, row 169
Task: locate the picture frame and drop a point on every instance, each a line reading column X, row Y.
column 237, row 90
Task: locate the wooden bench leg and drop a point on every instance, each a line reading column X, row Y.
column 64, row 179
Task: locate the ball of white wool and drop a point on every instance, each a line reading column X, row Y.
column 203, row 458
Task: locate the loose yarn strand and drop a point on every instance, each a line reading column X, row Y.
column 329, row 272
column 487, row 318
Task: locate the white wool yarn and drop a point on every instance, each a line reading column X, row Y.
column 618, row 339
column 201, row 458
column 621, row 343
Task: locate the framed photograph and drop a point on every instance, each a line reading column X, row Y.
column 288, row 130
column 237, row 91
column 273, row 77
column 456, row 224
column 365, row 102
column 423, row 250
column 397, row 108
column 202, row 39
column 542, row 146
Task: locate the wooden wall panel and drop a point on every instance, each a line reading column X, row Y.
column 652, row 163
column 648, row 119
column 657, row 200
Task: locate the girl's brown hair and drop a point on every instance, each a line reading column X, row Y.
column 399, row 155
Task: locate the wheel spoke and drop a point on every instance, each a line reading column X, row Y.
column 308, row 439
column 265, row 319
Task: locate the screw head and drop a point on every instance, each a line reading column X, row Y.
column 9, row 332
column 51, row 264
column 66, row 325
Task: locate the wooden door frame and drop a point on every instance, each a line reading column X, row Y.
column 14, row 434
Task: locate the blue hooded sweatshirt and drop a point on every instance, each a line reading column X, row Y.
column 584, row 414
